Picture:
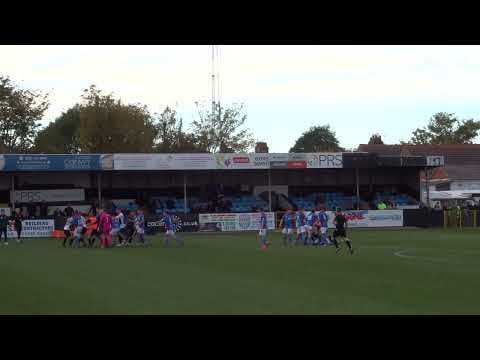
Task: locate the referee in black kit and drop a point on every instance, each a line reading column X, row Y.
column 16, row 219
column 340, row 231
column 3, row 226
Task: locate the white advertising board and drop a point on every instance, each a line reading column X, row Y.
column 370, row 218
column 306, row 161
column 34, row 228
column 58, row 195
column 7, row 210
column 234, row 221
column 163, row 161
column 227, row 161
column 435, row 160
column 242, row 161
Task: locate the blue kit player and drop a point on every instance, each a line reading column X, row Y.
column 301, row 230
column 310, row 226
column 140, row 227
column 170, row 227
column 323, row 220
column 288, row 224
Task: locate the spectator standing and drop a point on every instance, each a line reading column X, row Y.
column 58, row 213
column 31, row 210
column 170, row 204
column 3, row 226
column 68, row 211
column 158, row 205
column 16, row 219
column 93, row 209
column 43, row 209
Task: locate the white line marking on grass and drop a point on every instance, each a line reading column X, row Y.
column 399, row 254
column 422, row 258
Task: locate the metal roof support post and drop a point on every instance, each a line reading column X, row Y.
column 269, row 191
column 427, row 181
column 99, row 185
column 12, row 196
column 357, row 177
column 184, row 192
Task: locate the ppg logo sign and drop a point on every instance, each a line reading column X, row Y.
column 333, row 160
column 435, row 161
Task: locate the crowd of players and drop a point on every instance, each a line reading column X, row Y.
column 105, row 229
column 298, row 228
column 308, row 229
column 118, row 229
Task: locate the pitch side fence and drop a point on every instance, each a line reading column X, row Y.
column 422, row 218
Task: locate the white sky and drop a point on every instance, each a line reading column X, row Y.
column 358, row 90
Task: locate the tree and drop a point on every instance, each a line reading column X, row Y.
column 222, row 132
column 62, row 135
column 171, row 138
column 20, row 111
column 375, row 139
column 108, row 125
column 316, row 139
column 445, row 128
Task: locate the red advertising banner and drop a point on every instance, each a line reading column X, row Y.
column 297, row 164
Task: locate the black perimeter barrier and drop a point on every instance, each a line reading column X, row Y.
column 423, row 218
column 154, row 223
column 185, row 223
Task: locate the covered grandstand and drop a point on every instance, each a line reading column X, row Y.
column 196, row 183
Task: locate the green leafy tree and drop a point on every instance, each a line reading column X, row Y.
column 20, row 112
column 108, row 125
column 317, row 139
column 445, row 128
column 223, row 131
column 61, row 136
column 171, row 138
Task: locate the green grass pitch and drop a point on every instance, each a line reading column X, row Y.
column 392, row 272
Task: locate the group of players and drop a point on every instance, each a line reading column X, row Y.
column 109, row 230
column 14, row 222
column 106, row 229
column 300, row 227
column 308, row 229
column 116, row 230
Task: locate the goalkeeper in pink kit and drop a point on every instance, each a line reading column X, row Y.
column 105, row 224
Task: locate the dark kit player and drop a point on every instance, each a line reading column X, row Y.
column 16, row 219
column 3, row 226
column 340, row 231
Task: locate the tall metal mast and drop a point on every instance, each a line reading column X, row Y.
column 215, row 83
column 217, row 65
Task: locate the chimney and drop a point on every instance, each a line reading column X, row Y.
column 261, row 147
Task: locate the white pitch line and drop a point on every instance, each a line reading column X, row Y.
column 399, row 254
column 437, row 260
